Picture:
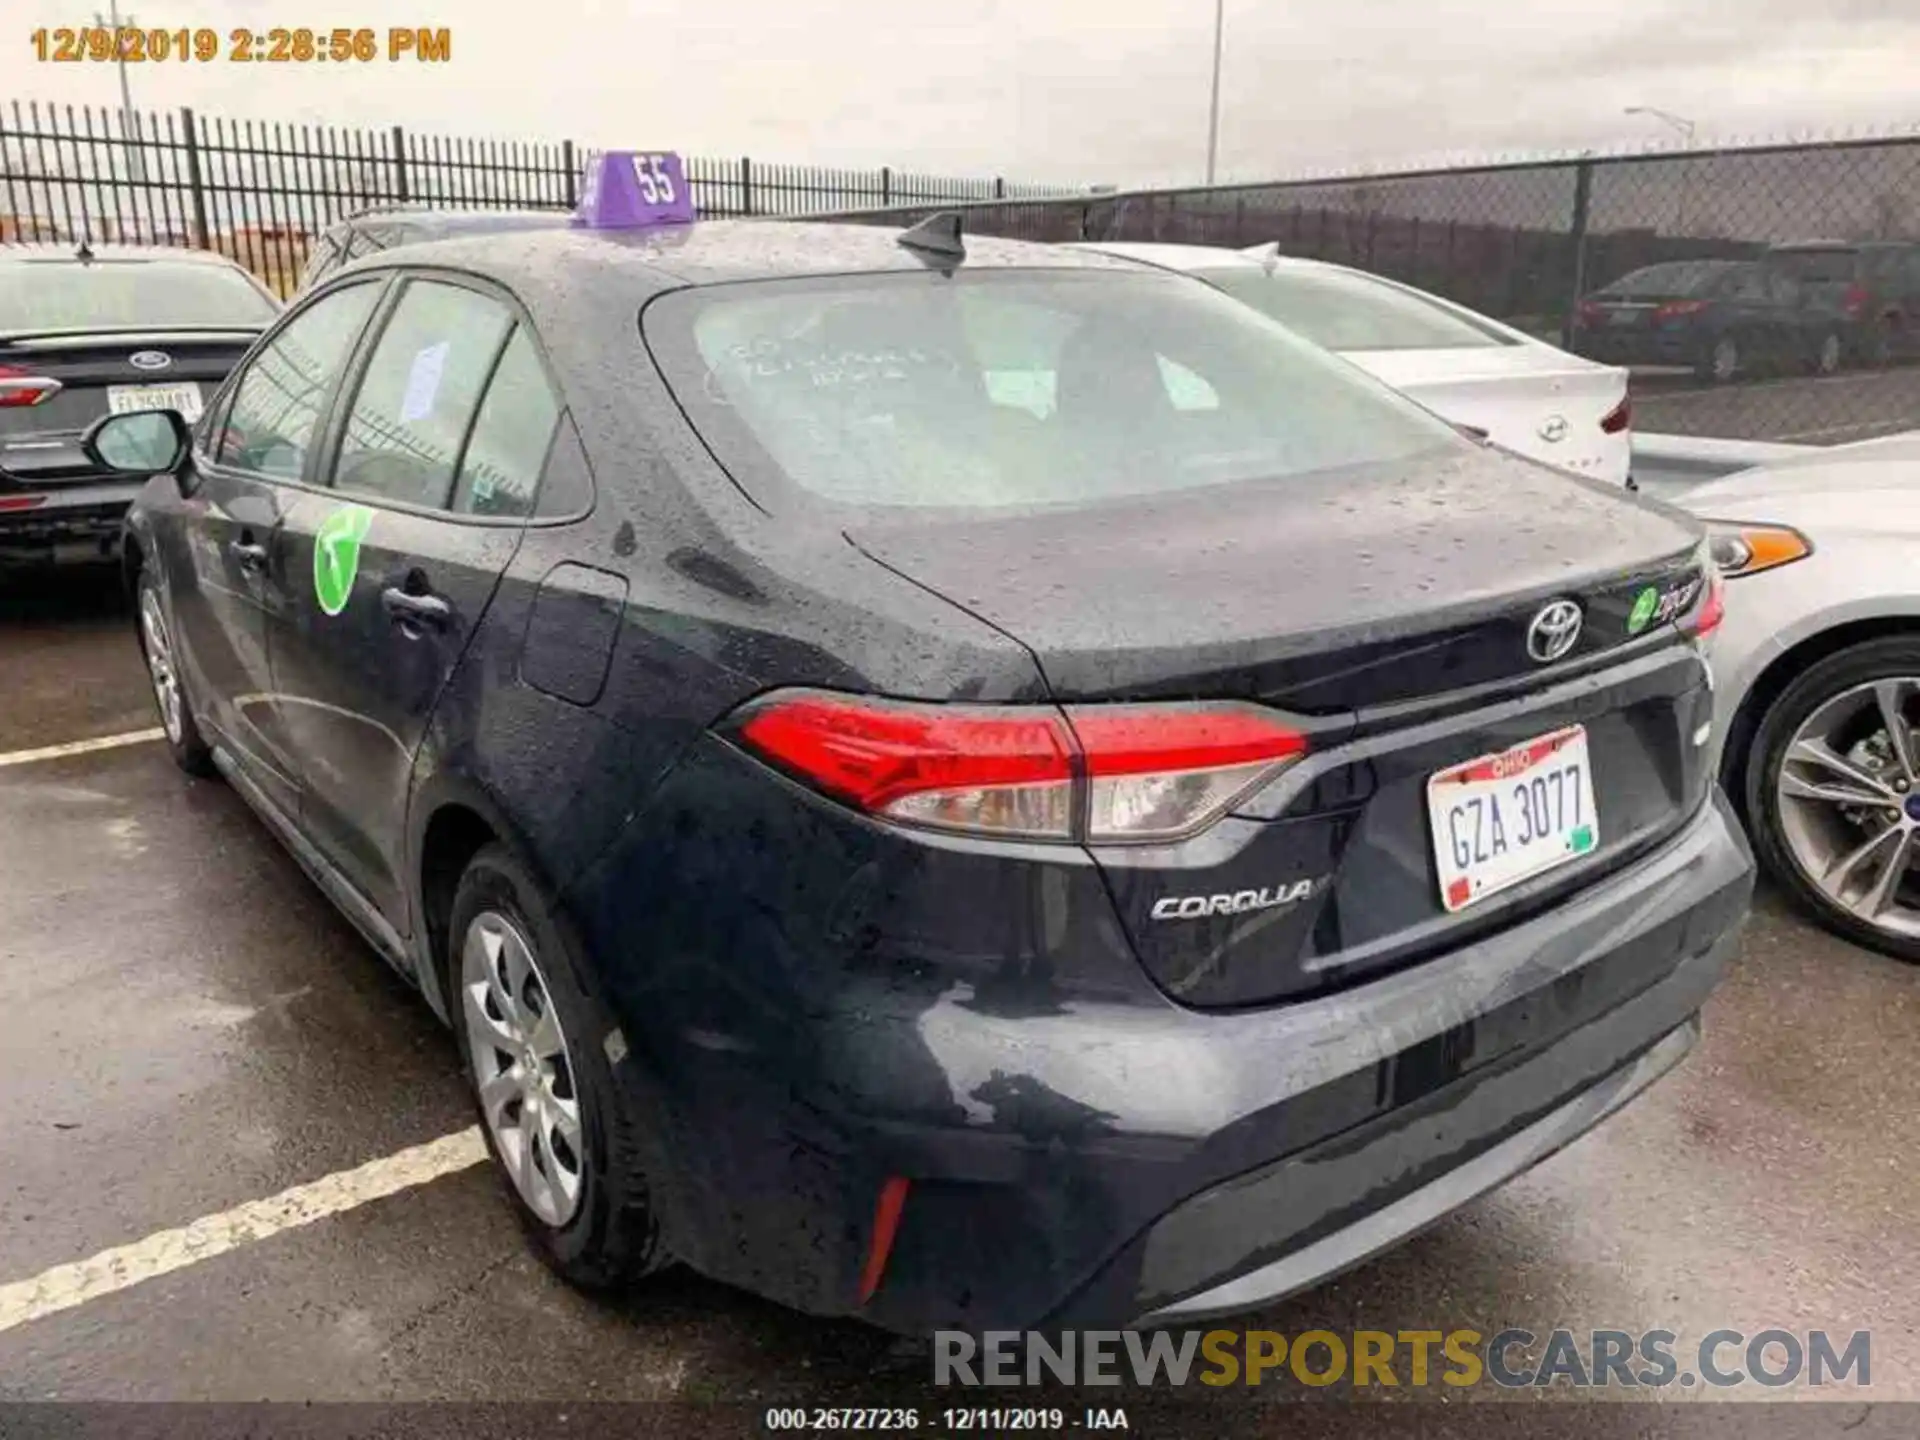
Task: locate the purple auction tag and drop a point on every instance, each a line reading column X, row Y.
column 629, row 189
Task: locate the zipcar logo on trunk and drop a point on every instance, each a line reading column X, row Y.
column 1239, row 902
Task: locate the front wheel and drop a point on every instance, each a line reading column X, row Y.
column 556, row 1121
column 1833, row 790
column 190, row 750
column 1828, row 357
column 1722, row 363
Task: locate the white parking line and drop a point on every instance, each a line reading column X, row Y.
column 80, row 747
column 65, row 1286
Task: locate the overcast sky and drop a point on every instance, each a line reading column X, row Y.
column 1075, row 91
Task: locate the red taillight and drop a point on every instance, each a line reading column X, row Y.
column 22, row 387
column 1587, row 312
column 1679, row 307
column 1713, row 608
column 1855, row 300
column 21, row 502
column 1105, row 773
column 1003, row 769
column 1159, row 771
column 886, row 1225
column 1619, row 417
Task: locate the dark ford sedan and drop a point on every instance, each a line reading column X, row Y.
column 964, row 789
column 90, row 331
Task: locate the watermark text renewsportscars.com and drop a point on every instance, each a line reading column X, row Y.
column 1416, row 1359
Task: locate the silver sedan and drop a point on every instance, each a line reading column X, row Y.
column 1818, row 665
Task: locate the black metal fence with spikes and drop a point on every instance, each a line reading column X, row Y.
column 260, row 191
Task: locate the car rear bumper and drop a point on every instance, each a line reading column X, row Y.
column 1224, row 1231
column 74, row 523
column 1137, row 1161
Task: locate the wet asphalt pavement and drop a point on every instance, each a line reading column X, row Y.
column 186, row 1025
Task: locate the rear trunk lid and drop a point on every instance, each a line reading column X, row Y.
column 99, row 372
column 1536, row 402
column 1390, row 611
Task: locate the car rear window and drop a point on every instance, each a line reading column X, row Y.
column 1818, row 267
column 131, row 294
column 1345, row 311
column 1682, row 277
column 1007, row 389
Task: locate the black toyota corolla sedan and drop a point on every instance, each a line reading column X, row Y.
column 954, row 782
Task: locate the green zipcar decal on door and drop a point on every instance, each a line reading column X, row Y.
column 336, row 556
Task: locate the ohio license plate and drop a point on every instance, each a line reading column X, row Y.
column 1505, row 818
column 127, row 399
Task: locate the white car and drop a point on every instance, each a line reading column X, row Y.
column 1521, row 393
column 1817, row 713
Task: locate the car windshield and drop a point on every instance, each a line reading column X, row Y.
column 1682, row 277
column 1007, row 389
column 131, row 294
column 1346, row 311
column 1818, row 267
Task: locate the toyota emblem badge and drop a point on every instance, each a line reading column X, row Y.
column 1553, row 631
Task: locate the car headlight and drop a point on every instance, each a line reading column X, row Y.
column 1740, row 550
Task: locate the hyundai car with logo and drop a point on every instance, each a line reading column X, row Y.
column 1506, row 385
column 951, row 781
column 87, row 331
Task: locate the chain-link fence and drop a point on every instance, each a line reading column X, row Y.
column 1768, row 293
column 261, row 191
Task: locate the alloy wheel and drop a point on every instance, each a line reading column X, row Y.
column 1726, row 360
column 158, row 643
column 521, row 1067
column 1848, row 786
column 1829, row 360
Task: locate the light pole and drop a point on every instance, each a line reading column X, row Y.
column 1685, row 129
column 129, row 126
column 1213, row 104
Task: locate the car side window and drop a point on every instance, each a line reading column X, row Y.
column 500, row 471
column 419, row 393
column 271, row 424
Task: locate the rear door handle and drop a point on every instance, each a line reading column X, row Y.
column 406, row 608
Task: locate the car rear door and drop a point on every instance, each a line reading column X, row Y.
column 433, row 458
column 247, row 470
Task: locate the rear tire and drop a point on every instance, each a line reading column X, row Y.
column 558, row 1125
column 1721, row 363
column 167, row 678
column 1801, row 841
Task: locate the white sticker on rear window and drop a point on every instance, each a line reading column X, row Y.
column 423, row 382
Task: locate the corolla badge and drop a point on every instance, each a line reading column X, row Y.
column 1553, row 429
column 1237, row 902
column 1553, row 631
column 150, row 360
